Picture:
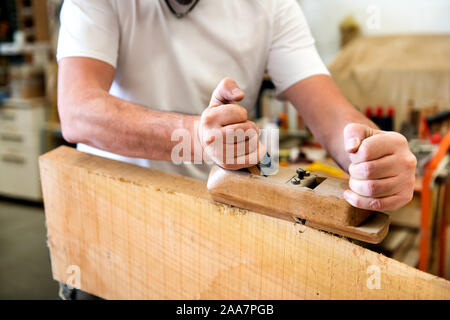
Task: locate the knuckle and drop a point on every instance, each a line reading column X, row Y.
column 252, row 131
column 355, row 170
column 226, row 79
column 243, row 112
column 208, row 118
column 251, row 126
column 352, row 169
column 222, row 83
column 403, row 140
column 399, row 138
column 350, row 128
column 364, row 153
column 371, row 187
column 375, row 204
column 411, row 161
column 357, row 202
column 366, row 169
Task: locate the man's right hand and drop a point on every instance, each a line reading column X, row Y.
column 226, row 136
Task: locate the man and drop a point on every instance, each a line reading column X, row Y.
column 131, row 73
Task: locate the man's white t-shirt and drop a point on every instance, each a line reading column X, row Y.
column 170, row 64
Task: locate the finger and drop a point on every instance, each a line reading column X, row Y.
column 376, row 188
column 378, row 146
column 393, row 202
column 253, row 157
column 234, row 151
column 235, row 133
column 224, row 115
column 355, row 133
column 246, row 147
column 227, row 153
column 248, row 160
column 384, row 167
column 226, row 92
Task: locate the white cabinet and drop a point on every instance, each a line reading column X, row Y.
column 21, row 143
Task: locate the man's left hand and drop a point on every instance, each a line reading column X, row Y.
column 382, row 169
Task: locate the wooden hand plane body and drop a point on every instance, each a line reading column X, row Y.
column 313, row 200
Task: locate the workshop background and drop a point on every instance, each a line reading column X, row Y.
column 390, row 58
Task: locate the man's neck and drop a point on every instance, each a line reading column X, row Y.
column 181, row 6
column 184, row 2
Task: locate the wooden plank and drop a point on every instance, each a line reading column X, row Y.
column 140, row 233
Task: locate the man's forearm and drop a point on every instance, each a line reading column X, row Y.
column 327, row 125
column 101, row 120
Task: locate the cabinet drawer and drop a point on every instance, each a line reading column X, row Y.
column 19, row 176
column 16, row 119
column 11, row 158
column 20, row 142
column 12, row 137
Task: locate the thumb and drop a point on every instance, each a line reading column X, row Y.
column 354, row 134
column 226, row 92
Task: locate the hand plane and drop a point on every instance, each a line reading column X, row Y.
column 299, row 196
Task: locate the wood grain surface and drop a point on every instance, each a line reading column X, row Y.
column 136, row 233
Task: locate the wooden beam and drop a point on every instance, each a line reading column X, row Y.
column 143, row 234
